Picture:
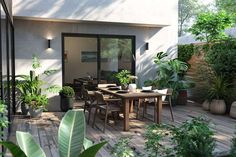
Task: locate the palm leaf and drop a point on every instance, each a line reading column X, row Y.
column 14, row 149
column 92, row 151
column 71, row 134
column 87, row 143
column 28, row 145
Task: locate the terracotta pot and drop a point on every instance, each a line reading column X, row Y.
column 218, row 106
column 233, row 110
column 206, row 105
column 182, row 97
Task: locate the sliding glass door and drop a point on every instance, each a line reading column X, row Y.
column 98, row 56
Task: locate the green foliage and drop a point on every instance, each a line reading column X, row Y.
column 3, row 118
column 170, row 74
column 67, row 91
column 233, row 146
column 71, row 140
column 36, row 101
column 219, row 88
column 122, row 149
column 222, row 59
column 157, row 143
column 210, row 26
column 185, row 52
column 31, row 86
column 188, row 9
column 125, row 77
column 194, row 138
column 229, row 6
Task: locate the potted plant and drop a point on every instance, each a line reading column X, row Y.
column 36, row 103
column 67, row 93
column 31, row 89
column 171, row 74
column 125, row 78
column 216, row 94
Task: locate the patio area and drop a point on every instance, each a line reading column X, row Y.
column 45, row 129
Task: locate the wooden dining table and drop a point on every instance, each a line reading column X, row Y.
column 139, row 94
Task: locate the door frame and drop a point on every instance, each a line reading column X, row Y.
column 98, row 37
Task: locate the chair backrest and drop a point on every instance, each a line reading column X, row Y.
column 163, row 91
column 99, row 98
column 105, row 85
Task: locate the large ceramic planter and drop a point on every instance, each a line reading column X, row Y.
column 233, row 110
column 66, row 103
column 35, row 113
column 218, row 106
column 206, row 105
column 182, row 97
column 24, row 108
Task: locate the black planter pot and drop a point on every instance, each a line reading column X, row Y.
column 66, row 103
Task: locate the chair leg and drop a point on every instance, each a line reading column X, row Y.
column 89, row 111
column 144, row 108
column 138, row 109
column 171, row 111
column 94, row 118
column 105, row 123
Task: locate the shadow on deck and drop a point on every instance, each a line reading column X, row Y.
column 45, row 129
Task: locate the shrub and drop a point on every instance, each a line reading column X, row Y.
column 194, row 138
column 67, row 91
column 3, row 118
column 185, row 52
column 122, row 149
column 158, row 141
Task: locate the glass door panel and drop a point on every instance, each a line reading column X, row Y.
column 115, row 55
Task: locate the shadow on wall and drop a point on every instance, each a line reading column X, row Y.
column 54, row 104
column 51, row 8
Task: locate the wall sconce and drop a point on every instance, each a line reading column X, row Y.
column 147, row 46
column 49, row 43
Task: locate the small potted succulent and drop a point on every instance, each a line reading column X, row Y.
column 67, row 93
column 36, row 103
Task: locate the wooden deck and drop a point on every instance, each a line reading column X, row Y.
column 45, row 129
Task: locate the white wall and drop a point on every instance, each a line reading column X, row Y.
column 143, row 12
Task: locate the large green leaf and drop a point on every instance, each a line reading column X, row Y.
column 28, row 145
column 71, row 133
column 92, row 151
column 14, row 149
column 87, row 143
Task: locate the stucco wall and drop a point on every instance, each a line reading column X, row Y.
column 148, row 12
column 31, row 38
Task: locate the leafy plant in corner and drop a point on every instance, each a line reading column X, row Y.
column 159, row 140
column 32, row 85
column 194, row 138
column 71, row 140
column 122, row 149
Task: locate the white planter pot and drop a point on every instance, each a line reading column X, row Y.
column 132, row 87
column 218, row 106
column 206, row 105
column 233, row 110
column 35, row 113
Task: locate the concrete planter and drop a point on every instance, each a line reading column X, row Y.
column 66, row 103
column 233, row 110
column 218, row 106
column 35, row 113
column 206, row 105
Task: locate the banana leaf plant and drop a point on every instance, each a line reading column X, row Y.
column 71, row 140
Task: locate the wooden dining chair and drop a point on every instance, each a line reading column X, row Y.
column 89, row 102
column 109, row 105
column 166, row 100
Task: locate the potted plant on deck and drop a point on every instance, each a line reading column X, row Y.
column 33, row 89
column 67, row 93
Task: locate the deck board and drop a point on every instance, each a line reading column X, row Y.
column 45, row 129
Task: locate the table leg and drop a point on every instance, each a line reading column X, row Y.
column 131, row 109
column 126, row 114
column 158, row 110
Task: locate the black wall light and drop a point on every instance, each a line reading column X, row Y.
column 49, row 43
column 146, row 46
